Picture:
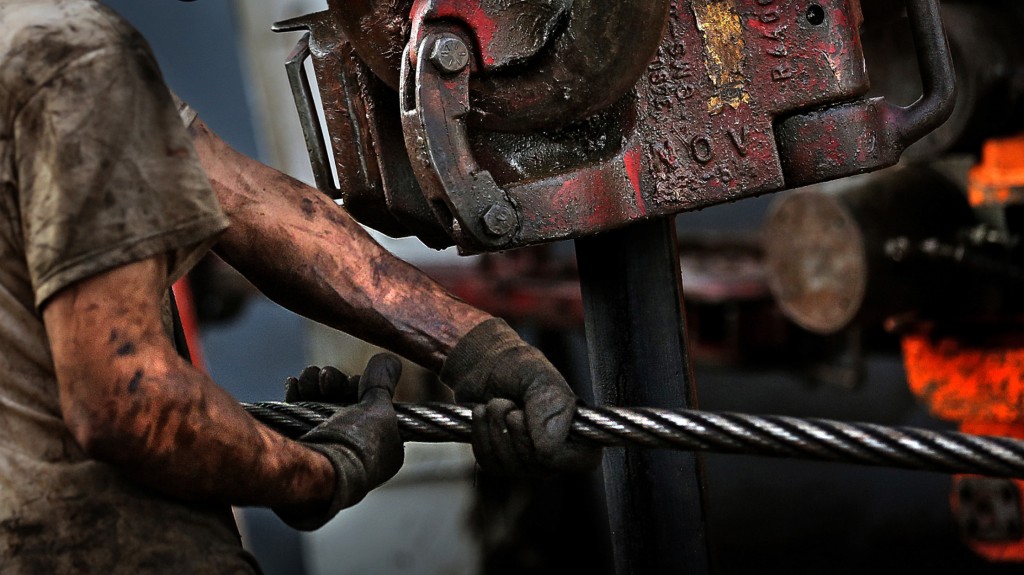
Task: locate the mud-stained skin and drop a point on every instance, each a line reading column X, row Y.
column 130, row 400
column 308, row 254
column 314, row 258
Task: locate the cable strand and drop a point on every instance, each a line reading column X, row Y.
column 688, row 430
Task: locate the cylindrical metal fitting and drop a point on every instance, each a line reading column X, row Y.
column 825, row 247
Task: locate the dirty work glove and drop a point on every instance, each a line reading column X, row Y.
column 362, row 442
column 327, row 385
column 527, row 408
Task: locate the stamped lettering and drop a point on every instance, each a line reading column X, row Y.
column 702, row 149
column 773, row 30
column 739, row 139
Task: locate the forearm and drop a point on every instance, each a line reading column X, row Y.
column 182, row 435
column 131, row 401
column 309, row 255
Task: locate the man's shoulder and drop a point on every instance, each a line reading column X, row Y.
column 84, row 24
column 41, row 37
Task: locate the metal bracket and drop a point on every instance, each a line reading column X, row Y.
column 374, row 175
column 312, row 132
column 434, row 100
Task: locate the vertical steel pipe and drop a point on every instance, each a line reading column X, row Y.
column 636, row 333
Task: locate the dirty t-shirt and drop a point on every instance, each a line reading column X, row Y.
column 96, row 171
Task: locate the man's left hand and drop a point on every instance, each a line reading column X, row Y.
column 322, row 385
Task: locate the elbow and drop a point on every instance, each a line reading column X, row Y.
column 114, row 414
column 109, row 427
column 99, row 436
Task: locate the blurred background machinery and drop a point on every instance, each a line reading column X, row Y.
column 879, row 298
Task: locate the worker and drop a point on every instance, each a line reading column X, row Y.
column 116, row 455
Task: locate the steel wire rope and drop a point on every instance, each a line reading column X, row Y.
column 689, row 430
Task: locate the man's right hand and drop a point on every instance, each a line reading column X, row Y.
column 524, row 408
column 362, row 443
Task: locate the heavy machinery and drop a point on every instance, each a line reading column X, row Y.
column 492, row 125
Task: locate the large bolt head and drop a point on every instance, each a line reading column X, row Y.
column 450, row 54
column 499, row 220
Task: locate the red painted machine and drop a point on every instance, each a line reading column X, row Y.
column 493, row 125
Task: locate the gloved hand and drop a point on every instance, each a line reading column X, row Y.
column 362, row 442
column 326, row 385
column 527, row 408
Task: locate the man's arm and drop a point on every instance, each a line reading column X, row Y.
column 131, row 401
column 309, row 255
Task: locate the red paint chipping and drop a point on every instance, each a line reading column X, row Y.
column 591, row 202
column 633, row 161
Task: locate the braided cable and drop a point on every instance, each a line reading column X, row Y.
column 689, row 430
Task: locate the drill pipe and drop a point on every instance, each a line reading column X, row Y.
column 688, row 430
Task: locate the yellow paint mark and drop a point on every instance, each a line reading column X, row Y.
column 722, row 29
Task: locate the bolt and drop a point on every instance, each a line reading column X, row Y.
column 499, row 220
column 450, row 54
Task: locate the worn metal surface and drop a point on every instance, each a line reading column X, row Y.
column 435, row 107
column 375, row 179
column 504, row 32
column 708, row 119
column 984, row 43
column 699, row 130
column 305, row 104
column 582, row 55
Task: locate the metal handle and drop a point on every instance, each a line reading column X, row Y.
column 867, row 135
column 937, row 74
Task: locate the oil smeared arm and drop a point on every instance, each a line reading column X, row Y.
column 131, row 401
column 309, row 255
